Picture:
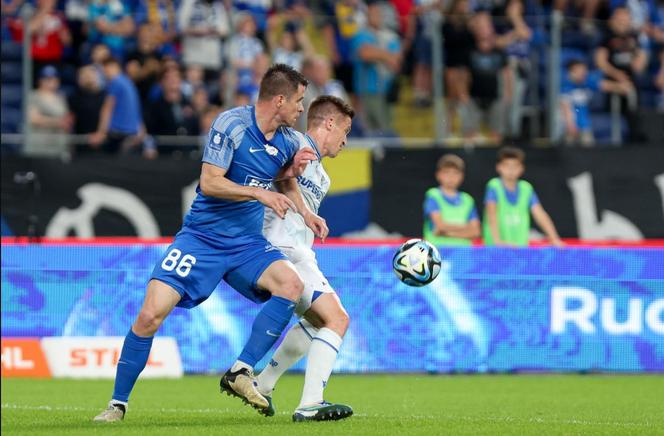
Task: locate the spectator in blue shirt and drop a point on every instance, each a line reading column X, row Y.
column 377, row 59
column 120, row 122
column 576, row 92
column 110, row 23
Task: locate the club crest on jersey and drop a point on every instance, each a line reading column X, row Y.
column 216, row 140
column 272, row 151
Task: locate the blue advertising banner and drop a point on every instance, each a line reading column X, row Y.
column 491, row 309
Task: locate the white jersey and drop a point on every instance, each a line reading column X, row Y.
column 291, row 232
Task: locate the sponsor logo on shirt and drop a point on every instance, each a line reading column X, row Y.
column 258, row 182
column 311, row 186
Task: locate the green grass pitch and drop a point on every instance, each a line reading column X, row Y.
column 383, row 404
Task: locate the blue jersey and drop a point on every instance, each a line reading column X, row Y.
column 236, row 144
column 578, row 95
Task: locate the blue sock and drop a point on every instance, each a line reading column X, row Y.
column 134, row 356
column 267, row 328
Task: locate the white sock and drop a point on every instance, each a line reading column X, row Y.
column 238, row 365
column 292, row 348
column 322, row 355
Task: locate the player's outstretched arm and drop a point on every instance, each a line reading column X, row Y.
column 545, row 222
column 214, row 183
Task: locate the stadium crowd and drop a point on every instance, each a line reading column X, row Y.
column 125, row 71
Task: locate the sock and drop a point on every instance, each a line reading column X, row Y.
column 268, row 326
column 322, row 355
column 292, row 348
column 134, row 356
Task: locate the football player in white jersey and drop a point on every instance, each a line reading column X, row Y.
column 323, row 319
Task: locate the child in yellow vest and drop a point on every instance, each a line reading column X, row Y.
column 509, row 202
column 450, row 217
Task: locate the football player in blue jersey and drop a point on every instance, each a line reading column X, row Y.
column 248, row 149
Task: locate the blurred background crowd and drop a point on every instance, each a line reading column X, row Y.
column 127, row 75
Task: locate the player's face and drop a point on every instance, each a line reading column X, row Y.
column 291, row 108
column 450, row 178
column 510, row 169
column 338, row 135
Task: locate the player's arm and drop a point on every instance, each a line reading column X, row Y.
column 492, row 216
column 545, row 222
column 568, row 117
column 470, row 230
column 317, row 224
column 441, row 227
column 298, row 165
column 214, row 183
column 105, row 114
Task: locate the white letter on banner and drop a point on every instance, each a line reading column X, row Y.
column 633, row 323
column 560, row 315
column 609, row 226
column 97, row 196
column 654, row 315
column 97, row 357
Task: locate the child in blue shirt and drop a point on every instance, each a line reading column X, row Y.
column 575, row 94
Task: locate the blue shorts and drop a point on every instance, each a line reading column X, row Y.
column 194, row 264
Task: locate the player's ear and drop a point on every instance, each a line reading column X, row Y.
column 330, row 123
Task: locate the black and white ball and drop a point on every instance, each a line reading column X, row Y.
column 416, row 262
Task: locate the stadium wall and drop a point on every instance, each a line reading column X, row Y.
column 598, row 194
column 491, row 309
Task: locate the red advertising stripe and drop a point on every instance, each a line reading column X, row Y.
column 122, row 240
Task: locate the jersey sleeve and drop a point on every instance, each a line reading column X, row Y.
column 534, row 199
column 490, row 196
column 430, row 206
column 219, row 149
column 594, row 80
column 295, row 141
column 113, row 88
column 472, row 215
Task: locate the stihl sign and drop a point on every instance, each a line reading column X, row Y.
column 82, row 357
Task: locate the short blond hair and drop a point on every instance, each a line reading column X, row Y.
column 451, row 161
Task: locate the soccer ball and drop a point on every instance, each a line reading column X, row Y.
column 416, row 262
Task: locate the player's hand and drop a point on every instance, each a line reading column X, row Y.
column 317, row 225
column 300, row 161
column 276, row 201
column 557, row 242
column 96, row 139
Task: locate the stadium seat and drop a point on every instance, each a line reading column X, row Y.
column 11, row 72
column 11, row 120
column 568, row 54
column 12, row 96
column 11, row 51
column 602, row 127
column 68, row 75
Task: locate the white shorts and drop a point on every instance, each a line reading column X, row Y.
column 306, row 265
